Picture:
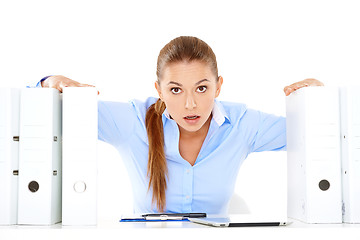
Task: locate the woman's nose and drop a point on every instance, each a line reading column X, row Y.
column 190, row 102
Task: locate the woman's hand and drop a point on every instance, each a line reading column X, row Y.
column 59, row 82
column 304, row 83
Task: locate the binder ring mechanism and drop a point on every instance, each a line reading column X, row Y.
column 79, row 187
column 324, row 185
column 33, row 186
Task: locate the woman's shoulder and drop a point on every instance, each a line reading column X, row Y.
column 231, row 110
column 240, row 112
column 143, row 105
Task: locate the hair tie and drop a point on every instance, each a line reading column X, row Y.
column 159, row 106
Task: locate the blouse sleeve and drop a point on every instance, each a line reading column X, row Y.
column 116, row 121
column 270, row 134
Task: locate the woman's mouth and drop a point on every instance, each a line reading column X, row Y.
column 192, row 119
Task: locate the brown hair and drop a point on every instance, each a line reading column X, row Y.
column 179, row 49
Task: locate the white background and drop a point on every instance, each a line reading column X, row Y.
column 261, row 46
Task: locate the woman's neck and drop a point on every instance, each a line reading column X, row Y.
column 201, row 133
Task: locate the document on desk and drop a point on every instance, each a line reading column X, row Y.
column 9, row 154
column 313, row 151
column 350, row 140
column 161, row 217
column 39, row 201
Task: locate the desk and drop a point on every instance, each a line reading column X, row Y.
column 180, row 230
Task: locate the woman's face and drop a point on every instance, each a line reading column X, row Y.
column 188, row 90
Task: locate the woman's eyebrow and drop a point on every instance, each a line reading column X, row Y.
column 180, row 85
column 176, row 83
column 204, row 80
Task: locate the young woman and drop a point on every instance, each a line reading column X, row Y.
column 183, row 150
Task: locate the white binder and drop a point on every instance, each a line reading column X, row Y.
column 80, row 134
column 39, row 200
column 350, row 135
column 313, row 148
column 9, row 154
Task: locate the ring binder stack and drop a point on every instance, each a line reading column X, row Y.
column 80, row 134
column 39, row 200
column 313, row 148
column 9, row 154
column 350, row 139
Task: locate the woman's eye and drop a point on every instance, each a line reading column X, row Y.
column 201, row 89
column 176, row 90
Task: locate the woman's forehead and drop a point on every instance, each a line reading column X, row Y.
column 187, row 72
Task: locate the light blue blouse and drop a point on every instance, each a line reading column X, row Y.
column 235, row 131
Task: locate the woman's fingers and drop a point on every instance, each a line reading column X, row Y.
column 305, row 83
column 60, row 82
column 88, row 85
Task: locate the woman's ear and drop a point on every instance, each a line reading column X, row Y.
column 157, row 86
column 218, row 86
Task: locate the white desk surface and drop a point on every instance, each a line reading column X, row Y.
column 179, row 230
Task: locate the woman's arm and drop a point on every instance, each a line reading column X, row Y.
column 271, row 129
column 270, row 132
column 116, row 119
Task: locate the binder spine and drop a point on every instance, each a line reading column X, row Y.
column 80, row 134
column 39, row 200
column 9, row 157
column 314, row 163
column 350, row 140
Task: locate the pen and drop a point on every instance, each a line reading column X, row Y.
column 173, row 216
column 164, row 218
